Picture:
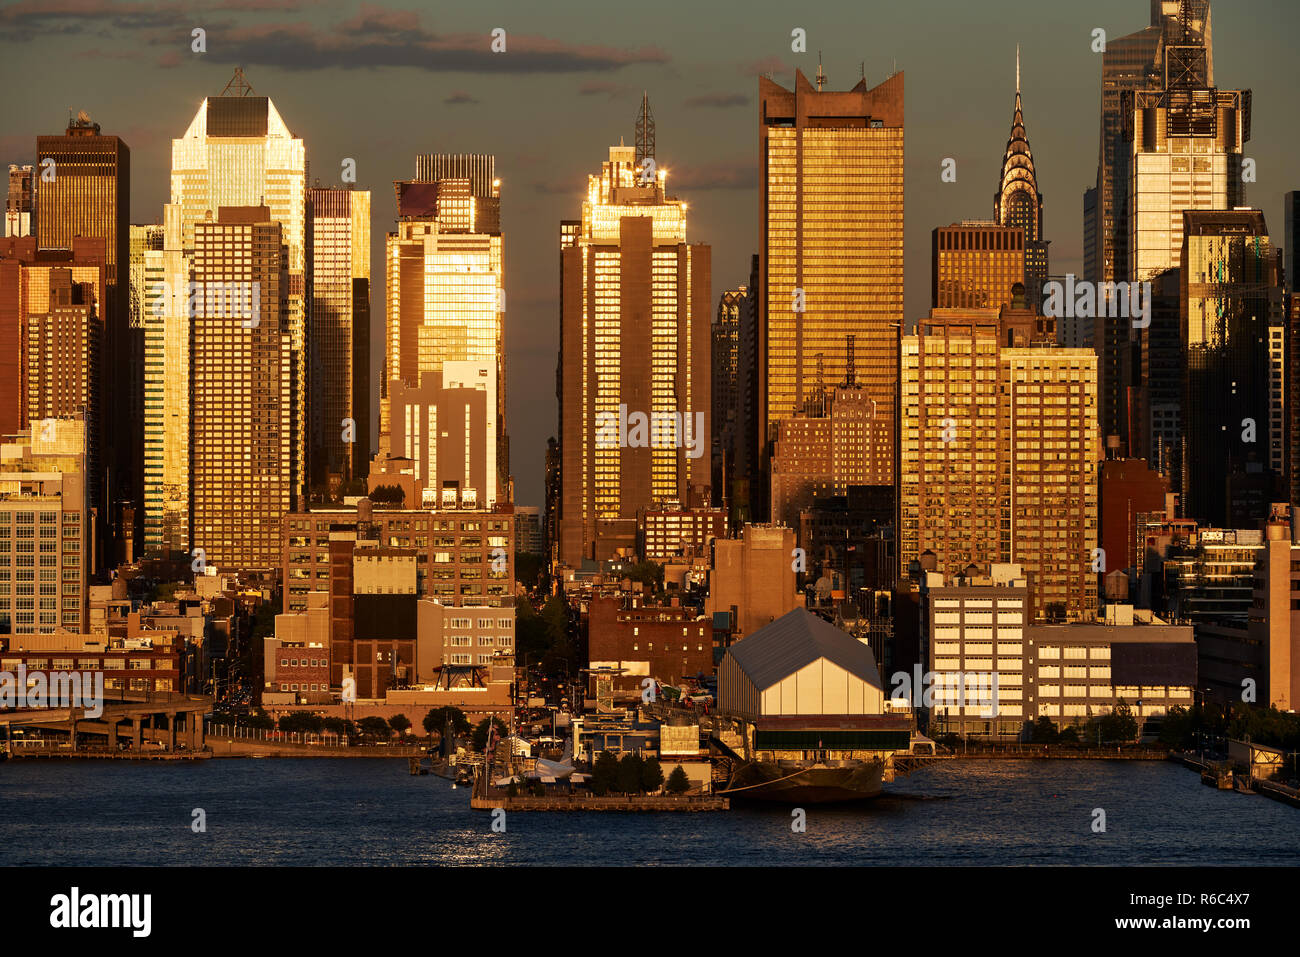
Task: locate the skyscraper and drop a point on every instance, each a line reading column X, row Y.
column 237, row 152
column 1129, row 63
column 1175, row 50
column 85, row 191
column 338, row 221
column 998, row 453
column 243, row 432
column 975, row 265
column 634, row 349
column 20, row 201
column 1232, row 403
column 444, row 280
column 1018, row 203
column 831, row 222
column 52, row 317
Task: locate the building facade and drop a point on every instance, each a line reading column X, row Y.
column 635, row 404
column 831, row 264
column 998, row 453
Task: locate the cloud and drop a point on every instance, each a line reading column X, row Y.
column 373, row 37
column 768, row 64
column 459, row 97
column 29, row 18
column 718, row 100
column 597, row 87
column 731, row 174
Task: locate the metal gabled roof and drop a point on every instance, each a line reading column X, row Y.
column 795, row 640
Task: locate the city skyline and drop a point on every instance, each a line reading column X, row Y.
column 705, row 99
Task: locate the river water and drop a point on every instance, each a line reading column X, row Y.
column 373, row 812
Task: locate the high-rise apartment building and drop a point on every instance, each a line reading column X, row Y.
column 831, row 222
column 635, row 355
column 1017, row 202
column 444, row 276
column 974, row 265
column 85, row 191
column 243, row 428
column 20, row 201
column 998, row 453
column 45, row 530
column 338, row 223
column 1233, row 335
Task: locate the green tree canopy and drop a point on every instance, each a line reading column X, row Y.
column 375, row 726
column 1119, row 724
column 604, row 773
column 652, row 775
column 388, row 495
column 678, row 781
column 1045, row 732
column 629, row 773
column 435, row 722
column 302, row 722
column 400, row 723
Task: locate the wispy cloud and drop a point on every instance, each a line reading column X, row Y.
column 768, row 64
column 732, row 174
column 720, row 100
column 372, row 38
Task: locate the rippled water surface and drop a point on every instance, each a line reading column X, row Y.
column 359, row 811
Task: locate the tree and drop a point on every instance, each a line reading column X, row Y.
column 652, row 775
column 388, row 495
column 302, row 722
column 340, row 726
column 1119, row 724
column 400, row 723
column 629, row 773
column 435, row 722
column 375, row 726
column 678, row 782
column 259, row 720
column 604, row 773
column 1069, row 735
column 478, row 740
column 1045, row 732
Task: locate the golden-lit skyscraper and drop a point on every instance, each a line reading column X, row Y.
column 998, row 453
column 237, row 152
column 83, row 184
column 339, row 361
column 975, row 265
column 243, row 428
column 1017, row 202
column 635, row 314
column 832, row 244
column 444, row 289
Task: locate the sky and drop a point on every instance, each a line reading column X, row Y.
column 381, row 82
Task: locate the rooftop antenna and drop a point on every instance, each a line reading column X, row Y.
column 1017, row 67
column 821, row 77
column 238, row 86
column 645, row 131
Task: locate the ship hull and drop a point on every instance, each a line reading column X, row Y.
column 813, row 784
